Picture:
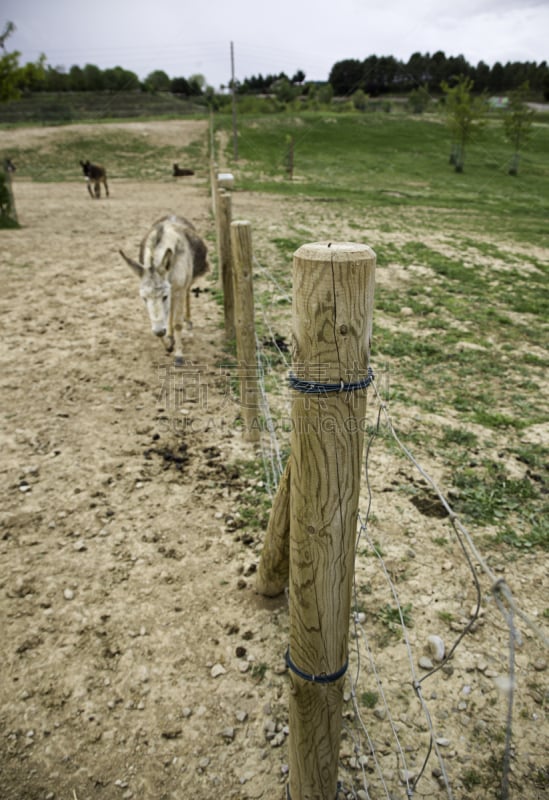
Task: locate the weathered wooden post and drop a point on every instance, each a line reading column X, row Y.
column 333, row 289
column 243, row 294
column 225, row 259
column 274, row 564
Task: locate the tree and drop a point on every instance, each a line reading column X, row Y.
column 360, row 100
column 15, row 79
column 346, row 76
column 419, row 99
column 464, row 114
column 157, row 81
column 197, row 83
column 56, row 79
column 76, row 79
column 517, row 123
column 284, row 91
column 118, row 79
column 93, row 78
column 180, row 86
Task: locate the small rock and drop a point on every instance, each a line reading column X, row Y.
column 241, row 716
column 443, row 742
column 204, row 762
column 503, row 683
column 172, row 733
column 228, row 734
column 68, row 594
column 436, row 648
column 186, row 712
column 425, row 663
column 278, row 740
column 217, row 670
column 540, row 665
column 380, row 713
column 79, row 546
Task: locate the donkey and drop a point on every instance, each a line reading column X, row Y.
column 97, row 175
column 179, row 172
column 171, row 256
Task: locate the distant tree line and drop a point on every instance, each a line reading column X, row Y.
column 378, row 75
column 91, row 78
column 372, row 77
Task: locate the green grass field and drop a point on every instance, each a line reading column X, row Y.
column 461, row 311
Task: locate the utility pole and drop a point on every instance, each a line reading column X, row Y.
column 233, row 90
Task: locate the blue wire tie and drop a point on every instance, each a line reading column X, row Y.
column 314, row 387
column 322, row 678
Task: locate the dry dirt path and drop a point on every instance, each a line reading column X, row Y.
column 121, row 587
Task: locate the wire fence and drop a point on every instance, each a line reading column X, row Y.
column 406, row 742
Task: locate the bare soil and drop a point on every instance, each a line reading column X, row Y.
column 137, row 660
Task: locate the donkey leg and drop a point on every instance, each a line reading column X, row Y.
column 188, row 319
column 176, row 323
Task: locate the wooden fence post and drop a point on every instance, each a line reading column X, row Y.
column 333, row 287
column 243, row 295
column 225, row 259
column 274, row 564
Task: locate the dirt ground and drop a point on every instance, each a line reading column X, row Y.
column 137, row 660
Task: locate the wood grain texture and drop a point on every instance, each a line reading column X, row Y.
column 224, row 208
column 274, row 564
column 243, row 296
column 332, row 325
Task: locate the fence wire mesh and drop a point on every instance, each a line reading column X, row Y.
column 405, row 752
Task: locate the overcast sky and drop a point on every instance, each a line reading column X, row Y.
column 184, row 38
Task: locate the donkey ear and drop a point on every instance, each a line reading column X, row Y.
column 166, row 261
column 135, row 265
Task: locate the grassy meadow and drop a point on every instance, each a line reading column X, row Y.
column 461, row 310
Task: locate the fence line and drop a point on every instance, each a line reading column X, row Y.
column 498, row 586
column 503, row 597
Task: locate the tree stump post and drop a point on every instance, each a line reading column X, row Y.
column 332, row 322
column 243, row 294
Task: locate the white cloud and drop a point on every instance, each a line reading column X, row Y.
column 182, row 38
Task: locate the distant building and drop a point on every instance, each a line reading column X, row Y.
column 498, row 102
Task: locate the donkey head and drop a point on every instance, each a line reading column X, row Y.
column 155, row 290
